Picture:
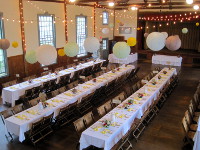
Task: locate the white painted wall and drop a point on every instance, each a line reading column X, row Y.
column 31, row 29
column 10, row 10
column 129, row 18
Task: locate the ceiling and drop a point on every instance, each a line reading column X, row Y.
column 143, row 5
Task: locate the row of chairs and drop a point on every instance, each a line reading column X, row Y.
column 191, row 117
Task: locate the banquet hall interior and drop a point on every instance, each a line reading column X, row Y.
column 99, row 74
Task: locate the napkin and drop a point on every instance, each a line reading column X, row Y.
column 106, row 131
column 69, row 94
column 57, row 101
column 32, row 112
column 22, row 117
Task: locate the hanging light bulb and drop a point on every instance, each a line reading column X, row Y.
column 111, row 4
column 133, row 8
column 189, row 1
column 72, row 1
column 196, row 7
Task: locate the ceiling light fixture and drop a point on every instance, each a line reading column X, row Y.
column 196, row 7
column 189, row 1
column 72, row 1
column 111, row 4
column 134, row 8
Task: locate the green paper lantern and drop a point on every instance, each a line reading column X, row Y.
column 71, row 49
column 121, row 50
column 30, row 57
column 184, row 30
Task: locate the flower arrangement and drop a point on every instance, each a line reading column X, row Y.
column 165, row 72
column 126, row 106
column 140, row 95
column 159, row 77
column 130, row 102
column 74, row 67
column 56, row 73
column 30, row 81
column 94, row 80
column 106, row 123
column 153, row 82
column 74, row 91
column 118, row 69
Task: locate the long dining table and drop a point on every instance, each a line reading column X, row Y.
column 12, row 93
column 21, row 122
column 197, row 138
column 122, row 117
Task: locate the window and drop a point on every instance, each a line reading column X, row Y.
column 105, row 18
column 81, row 33
column 46, row 29
column 3, row 57
column 105, row 43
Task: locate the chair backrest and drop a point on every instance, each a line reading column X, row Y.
column 18, row 108
column 101, row 111
column 47, row 120
column 37, row 89
column 13, row 82
column 26, row 78
column 42, row 97
column 108, row 106
column 54, row 93
column 33, row 102
column 185, row 125
column 45, row 73
column 28, row 92
column 89, row 119
column 6, row 84
column 121, row 96
column 6, row 114
column 62, row 89
column 187, row 117
column 59, row 68
column 63, row 110
column 79, row 126
column 36, row 126
column 134, row 88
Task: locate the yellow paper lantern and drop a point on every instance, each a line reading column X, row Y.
column 61, row 52
column 131, row 41
column 138, row 28
column 15, row 44
column 118, row 21
column 197, row 24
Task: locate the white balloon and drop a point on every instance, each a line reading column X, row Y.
column 91, row 44
column 105, row 31
column 165, row 34
column 155, row 41
column 46, row 54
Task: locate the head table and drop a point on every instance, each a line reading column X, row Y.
column 130, row 59
column 21, row 122
column 106, row 137
column 167, row 60
column 12, row 93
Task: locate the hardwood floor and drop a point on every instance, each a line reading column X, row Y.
column 163, row 133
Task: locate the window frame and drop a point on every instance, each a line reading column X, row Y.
column 107, row 41
column 4, row 51
column 54, row 27
column 105, row 18
column 86, row 34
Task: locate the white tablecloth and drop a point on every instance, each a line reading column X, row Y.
column 167, row 60
column 19, row 127
column 12, row 93
column 131, row 58
column 96, row 136
column 197, row 138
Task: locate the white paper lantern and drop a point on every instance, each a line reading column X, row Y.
column 30, row 56
column 165, row 34
column 184, row 30
column 121, row 50
column 105, row 30
column 155, row 41
column 173, row 42
column 91, row 44
column 46, row 54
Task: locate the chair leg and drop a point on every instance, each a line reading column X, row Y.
column 9, row 136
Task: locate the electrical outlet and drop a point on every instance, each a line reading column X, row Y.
column 17, row 75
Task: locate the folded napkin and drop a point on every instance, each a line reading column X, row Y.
column 138, row 99
column 50, row 104
column 106, row 131
column 85, row 87
column 32, row 112
column 13, row 88
column 96, row 128
column 135, row 102
column 22, row 117
column 89, row 84
column 130, row 109
column 69, row 94
column 57, row 101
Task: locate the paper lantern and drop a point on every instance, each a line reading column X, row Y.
column 165, row 34
column 61, row 52
column 138, row 29
column 146, row 34
column 118, row 21
column 4, row 44
column 173, row 42
column 46, row 54
column 30, row 56
column 197, row 24
column 105, row 30
column 121, row 50
column 131, row 41
column 155, row 41
column 71, row 49
column 184, row 30
column 111, row 25
column 15, row 44
column 91, row 44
